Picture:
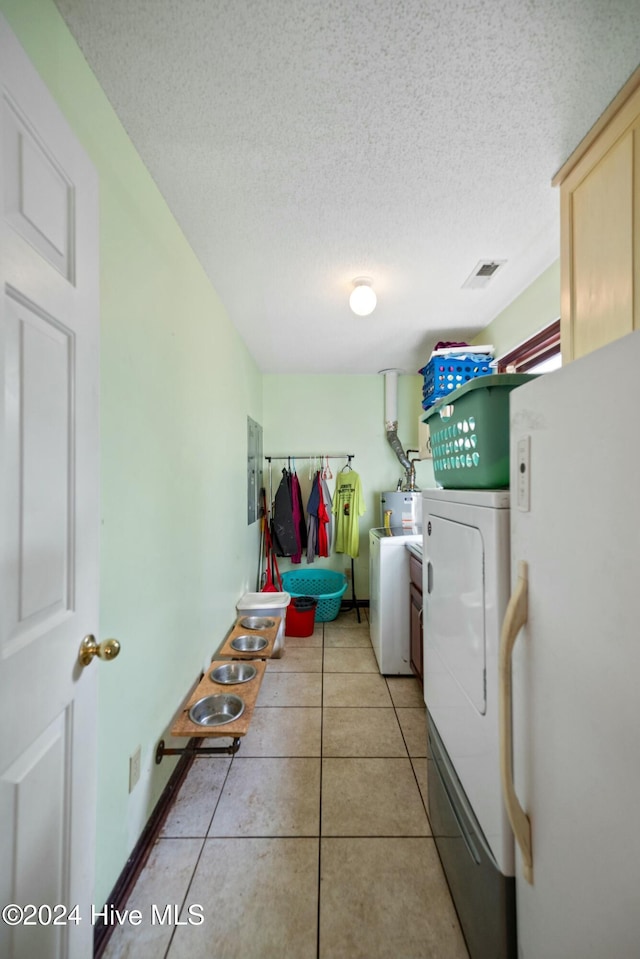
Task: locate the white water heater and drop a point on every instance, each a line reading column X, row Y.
column 405, row 510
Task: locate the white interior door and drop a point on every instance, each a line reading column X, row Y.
column 49, row 517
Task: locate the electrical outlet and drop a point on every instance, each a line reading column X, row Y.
column 134, row 769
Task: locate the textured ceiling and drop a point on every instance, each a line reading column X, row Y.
column 300, row 144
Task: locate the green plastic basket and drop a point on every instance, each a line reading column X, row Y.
column 470, row 433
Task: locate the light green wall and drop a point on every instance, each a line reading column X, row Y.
column 177, row 385
column 343, row 414
column 535, row 308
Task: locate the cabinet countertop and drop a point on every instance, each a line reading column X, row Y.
column 415, row 549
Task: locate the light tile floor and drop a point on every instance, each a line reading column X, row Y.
column 313, row 841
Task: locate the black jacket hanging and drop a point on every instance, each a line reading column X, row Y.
column 282, row 527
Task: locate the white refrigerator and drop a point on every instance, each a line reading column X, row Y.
column 570, row 658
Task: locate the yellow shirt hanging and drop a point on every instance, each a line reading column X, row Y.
column 348, row 507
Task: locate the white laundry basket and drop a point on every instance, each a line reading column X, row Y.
column 267, row 604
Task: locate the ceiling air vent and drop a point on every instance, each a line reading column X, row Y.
column 482, row 274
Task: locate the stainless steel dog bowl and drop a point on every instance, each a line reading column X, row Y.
column 257, row 622
column 230, row 673
column 248, row 644
column 216, row 710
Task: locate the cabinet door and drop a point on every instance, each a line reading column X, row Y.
column 416, row 632
column 603, row 251
column 600, row 229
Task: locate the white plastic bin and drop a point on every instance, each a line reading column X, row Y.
column 267, row 604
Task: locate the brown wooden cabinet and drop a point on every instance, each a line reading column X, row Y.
column 415, row 598
column 600, row 229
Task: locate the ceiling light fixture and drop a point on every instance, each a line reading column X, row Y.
column 363, row 298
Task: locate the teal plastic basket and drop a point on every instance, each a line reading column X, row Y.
column 325, row 585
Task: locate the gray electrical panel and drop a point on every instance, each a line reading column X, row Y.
column 254, row 469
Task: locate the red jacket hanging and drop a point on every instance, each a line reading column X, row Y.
column 323, row 521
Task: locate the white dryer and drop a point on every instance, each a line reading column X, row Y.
column 389, row 599
column 466, row 582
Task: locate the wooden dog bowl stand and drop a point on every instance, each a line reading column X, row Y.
column 183, row 727
column 269, row 634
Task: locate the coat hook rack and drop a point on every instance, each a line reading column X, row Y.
column 327, row 456
column 309, row 456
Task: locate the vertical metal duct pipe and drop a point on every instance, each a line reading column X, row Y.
column 391, row 424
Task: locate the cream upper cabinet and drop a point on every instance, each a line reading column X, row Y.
column 600, row 229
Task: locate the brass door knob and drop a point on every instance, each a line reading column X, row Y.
column 89, row 648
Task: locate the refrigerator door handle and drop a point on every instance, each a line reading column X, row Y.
column 429, row 577
column 514, row 619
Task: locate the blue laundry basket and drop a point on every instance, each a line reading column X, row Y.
column 325, row 585
column 443, row 374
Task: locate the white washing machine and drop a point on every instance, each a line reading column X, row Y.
column 389, row 598
column 466, row 583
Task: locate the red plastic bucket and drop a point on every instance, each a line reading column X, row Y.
column 301, row 615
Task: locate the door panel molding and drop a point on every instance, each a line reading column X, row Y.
column 38, row 196
column 40, row 453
